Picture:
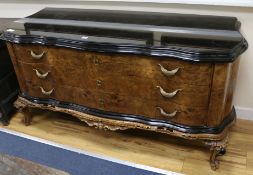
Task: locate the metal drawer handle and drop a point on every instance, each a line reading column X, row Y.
column 168, row 94
column 35, row 56
column 40, row 75
column 168, row 72
column 165, row 114
column 46, row 92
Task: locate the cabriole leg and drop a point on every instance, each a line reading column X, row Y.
column 217, row 148
column 215, row 152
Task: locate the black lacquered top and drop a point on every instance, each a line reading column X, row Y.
column 188, row 37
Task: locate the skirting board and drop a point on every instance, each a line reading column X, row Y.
column 244, row 113
column 23, row 8
column 71, row 160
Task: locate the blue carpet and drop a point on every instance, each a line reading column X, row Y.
column 62, row 159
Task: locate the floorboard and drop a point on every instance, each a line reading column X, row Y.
column 142, row 147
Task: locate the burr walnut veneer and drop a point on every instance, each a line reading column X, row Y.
column 166, row 73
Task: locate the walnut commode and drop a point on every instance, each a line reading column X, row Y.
column 116, row 70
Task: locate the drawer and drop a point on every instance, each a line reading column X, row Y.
column 193, row 116
column 37, row 73
column 148, row 67
column 156, row 90
column 61, row 93
column 132, row 105
column 44, row 75
column 30, row 53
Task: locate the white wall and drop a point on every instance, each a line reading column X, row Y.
column 244, row 91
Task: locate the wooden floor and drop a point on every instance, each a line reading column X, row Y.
column 151, row 149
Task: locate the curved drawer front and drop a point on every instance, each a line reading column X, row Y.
column 39, row 73
column 123, row 104
column 29, row 53
column 61, row 93
column 156, row 88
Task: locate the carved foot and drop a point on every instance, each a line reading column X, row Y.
column 22, row 106
column 27, row 116
column 214, row 162
column 218, row 148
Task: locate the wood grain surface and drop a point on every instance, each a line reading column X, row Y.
column 148, row 148
column 116, row 82
column 222, row 88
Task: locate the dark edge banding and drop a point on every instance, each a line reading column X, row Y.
column 186, row 54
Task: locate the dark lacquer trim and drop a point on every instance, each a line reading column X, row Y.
column 187, row 54
column 136, row 118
